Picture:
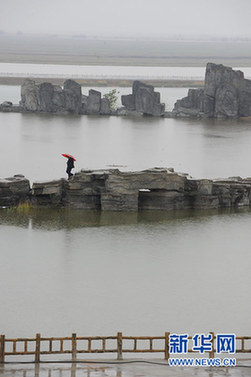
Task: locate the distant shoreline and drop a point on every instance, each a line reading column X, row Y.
column 131, row 53
column 138, row 61
column 134, row 52
column 107, row 82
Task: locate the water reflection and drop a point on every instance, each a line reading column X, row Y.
column 95, row 273
column 56, row 219
column 66, row 370
column 124, row 370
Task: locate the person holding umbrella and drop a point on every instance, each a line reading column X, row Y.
column 70, row 164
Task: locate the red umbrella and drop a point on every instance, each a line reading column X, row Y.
column 68, row 156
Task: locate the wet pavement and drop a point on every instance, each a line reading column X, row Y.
column 156, row 368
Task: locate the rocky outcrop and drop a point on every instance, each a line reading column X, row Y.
column 226, row 94
column 8, row 107
column 29, row 95
column 113, row 190
column 14, row 190
column 153, row 189
column 72, row 96
column 46, row 97
column 105, row 108
column 143, row 100
column 125, row 190
column 85, row 189
column 110, row 190
column 49, row 193
column 94, row 104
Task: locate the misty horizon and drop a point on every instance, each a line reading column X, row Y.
column 134, row 18
column 129, row 36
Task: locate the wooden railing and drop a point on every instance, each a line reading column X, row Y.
column 75, row 345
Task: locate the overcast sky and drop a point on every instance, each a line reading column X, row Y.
column 121, row 17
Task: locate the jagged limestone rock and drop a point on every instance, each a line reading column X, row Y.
column 45, row 94
column 218, row 75
column 105, row 108
column 226, row 94
column 29, row 95
column 129, row 102
column 143, row 100
column 93, row 103
column 46, row 97
column 58, row 98
column 72, row 96
column 245, row 98
column 226, row 102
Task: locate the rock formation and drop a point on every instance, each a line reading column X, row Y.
column 29, row 95
column 94, row 104
column 226, row 94
column 8, row 107
column 143, row 100
column 72, row 96
column 112, row 190
column 46, row 97
column 14, row 190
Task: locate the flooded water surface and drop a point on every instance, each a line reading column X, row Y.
column 140, row 273
column 32, row 145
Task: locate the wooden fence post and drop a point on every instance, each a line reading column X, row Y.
column 74, row 346
column 2, row 348
column 167, row 345
column 37, row 352
column 119, row 345
column 211, row 353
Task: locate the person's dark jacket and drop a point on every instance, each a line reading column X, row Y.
column 70, row 165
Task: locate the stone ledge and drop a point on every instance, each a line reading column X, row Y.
column 113, row 190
